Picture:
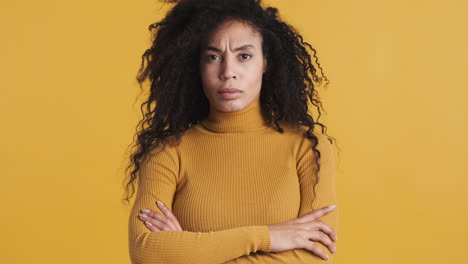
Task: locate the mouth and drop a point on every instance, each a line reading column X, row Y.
column 229, row 93
column 229, row 90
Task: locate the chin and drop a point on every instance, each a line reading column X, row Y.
column 231, row 106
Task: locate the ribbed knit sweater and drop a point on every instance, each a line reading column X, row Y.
column 229, row 178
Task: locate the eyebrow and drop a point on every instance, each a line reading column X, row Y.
column 243, row 47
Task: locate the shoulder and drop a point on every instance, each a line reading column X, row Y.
column 300, row 132
column 322, row 142
column 166, row 152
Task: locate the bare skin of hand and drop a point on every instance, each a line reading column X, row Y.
column 157, row 222
column 298, row 233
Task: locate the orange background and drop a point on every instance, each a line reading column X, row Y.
column 396, row 104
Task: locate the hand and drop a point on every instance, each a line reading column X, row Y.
column 157, row 222
column 297, row 233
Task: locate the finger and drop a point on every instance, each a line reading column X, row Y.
column 167, row 221
column 166, row 211
column 164, row 223
column 151, row 220
column 320, row 226
column 317, row 213
column 151, row 227
column 169, row 214
column 323, row 238
column 314, row 248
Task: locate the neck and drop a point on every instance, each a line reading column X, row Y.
column 249, row 118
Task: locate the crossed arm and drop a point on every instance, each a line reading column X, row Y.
column 232, row 246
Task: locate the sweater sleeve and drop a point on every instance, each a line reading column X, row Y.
column 325, row 190
column 325, row 195
column 158, row 179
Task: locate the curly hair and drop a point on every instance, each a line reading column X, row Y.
column 176, row 99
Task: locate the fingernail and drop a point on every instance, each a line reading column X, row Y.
column 142, row 215
column 332, row 206
column 160, row 203
column 326, row 256
column 334, row 249
column 145, row 211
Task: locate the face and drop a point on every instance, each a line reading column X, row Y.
column 232, row 66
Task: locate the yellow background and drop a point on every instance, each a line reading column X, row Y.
column 396, row 104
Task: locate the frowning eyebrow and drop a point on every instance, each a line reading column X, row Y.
column 243, row 47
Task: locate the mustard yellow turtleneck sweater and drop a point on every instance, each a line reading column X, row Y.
column 230, row 177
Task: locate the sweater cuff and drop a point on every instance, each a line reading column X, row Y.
column 261, row 238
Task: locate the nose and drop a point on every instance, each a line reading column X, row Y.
column 228, row 69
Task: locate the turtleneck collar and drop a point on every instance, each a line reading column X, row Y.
column 249, row 118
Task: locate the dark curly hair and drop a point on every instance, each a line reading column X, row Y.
column 176, row 99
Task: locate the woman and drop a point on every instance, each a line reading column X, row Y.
column 227, row 145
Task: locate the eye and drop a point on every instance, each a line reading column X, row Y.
column 212, row 57
column 245, row 54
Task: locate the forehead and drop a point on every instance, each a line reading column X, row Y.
column 234, row 32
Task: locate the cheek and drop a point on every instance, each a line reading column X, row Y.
column 255, row 69
column 208, row 79
column 255, row 74
column 207, row 73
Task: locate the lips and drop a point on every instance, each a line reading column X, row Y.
column 230, row 93
column 229, row 90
